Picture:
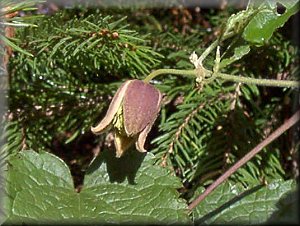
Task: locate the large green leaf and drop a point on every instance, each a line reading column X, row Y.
column 232, row 203
column 288, row 210
column 267, row 20
column 130, row 189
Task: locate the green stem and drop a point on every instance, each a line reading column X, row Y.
column 153, row 74
column 186, row 72
column 214, row 45
column 262, row 82
column 234, row 78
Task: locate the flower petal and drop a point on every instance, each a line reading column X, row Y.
column 122, row 143
column 141, row 105
column 112, row 109
column 139, row 144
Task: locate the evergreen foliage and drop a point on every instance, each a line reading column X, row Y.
column 69, row 76
column 65, row 69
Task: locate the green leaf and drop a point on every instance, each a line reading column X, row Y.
column 129, row 189
column 265, row 22
column 235, row 204
column 239, row 52
column 140, row 191
column 287, row 212
column 237, row 22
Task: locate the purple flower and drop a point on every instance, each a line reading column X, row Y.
column 131, row 114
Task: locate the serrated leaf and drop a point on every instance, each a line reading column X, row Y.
column 143, row 188
column 40, row 189
column 232, row 203
column 239, row 52
column 265, row 22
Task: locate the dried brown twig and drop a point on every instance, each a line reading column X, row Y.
column 284, row 127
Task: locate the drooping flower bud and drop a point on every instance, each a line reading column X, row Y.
column 131, row 113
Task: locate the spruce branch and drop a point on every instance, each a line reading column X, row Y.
column 186, row 132
column 89, row 45
column 186, row 121
column 284, row 127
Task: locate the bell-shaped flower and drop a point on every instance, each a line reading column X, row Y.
column 131, row 113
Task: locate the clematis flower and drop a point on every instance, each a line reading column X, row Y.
column 131, row 114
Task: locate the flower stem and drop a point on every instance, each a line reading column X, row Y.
column 228, row 77
column 153, row 74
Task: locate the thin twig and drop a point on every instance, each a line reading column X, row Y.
column 285, row 126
